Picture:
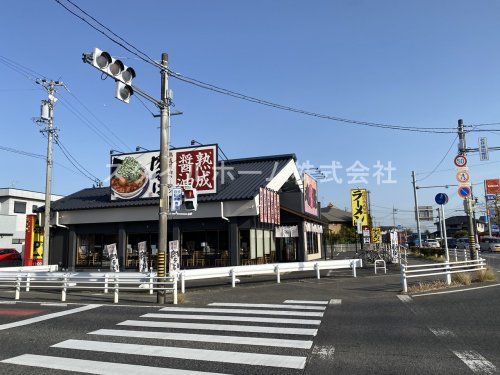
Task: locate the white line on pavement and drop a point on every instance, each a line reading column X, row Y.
column 404, row 298
column 268, row 305
column 41, row 318
column 7, row 302
column 222, row 327
column 335, row 301
column 95, row 367
column 476, row 362
column 255, row 359
column 239, row 340
column 442, row 332
column 233, row 318
column 53, row 304
column 296, row 301
column 455, row 291
column 243, row 311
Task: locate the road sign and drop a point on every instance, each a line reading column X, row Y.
column 464, row 192
column 460, row 160
column 490, row 197
column 176, row 199
column 463, row 176
column 399, row 227
column 441, row 198
column 483, row 149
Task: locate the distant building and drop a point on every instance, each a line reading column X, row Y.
column 15, row 204
column 336, row 217
column 460, row 223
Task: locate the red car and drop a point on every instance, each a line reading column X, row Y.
column 10, row 258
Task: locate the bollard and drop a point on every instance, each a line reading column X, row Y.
column 233, row 278
column 151, row 283
column 18, row 287
column 183, row 283
column 115, row 300
column 403, row 278
column 65, row 284
column 175, row 289
column 353, row 265
column 316, row 267
column 448, row 273
column 106, row 283
column 278, row 276
column 28, row 280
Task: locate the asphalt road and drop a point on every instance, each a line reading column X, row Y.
column 335, row 325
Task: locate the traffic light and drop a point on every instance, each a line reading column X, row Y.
column 190, row 199
column 122, row 74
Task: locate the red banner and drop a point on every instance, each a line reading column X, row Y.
column 492, row 186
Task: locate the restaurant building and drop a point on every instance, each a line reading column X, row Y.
column 260, row 210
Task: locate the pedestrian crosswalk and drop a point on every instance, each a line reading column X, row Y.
column 220, row 338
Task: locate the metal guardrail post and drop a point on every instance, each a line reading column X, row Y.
column 18, row 287
column 28, row 281
column 183, row 283
column 106, row 283
column 115, row 300
column 456, row 256
column 64, row 288
column 448, row 273
column 233, row 278
column 175, row 289
column 151, row 283
column 353, row 265
column 403, row 278
column 278, row 276
column 316, row 267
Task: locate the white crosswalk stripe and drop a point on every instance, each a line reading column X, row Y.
column 178, row 345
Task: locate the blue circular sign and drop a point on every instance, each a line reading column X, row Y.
column 464, row 192
column 441, row 198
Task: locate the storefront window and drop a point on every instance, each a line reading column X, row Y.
column 205, row 249
column 132, row 256
column 91, row 250
column 257, row 246
column 312, row 243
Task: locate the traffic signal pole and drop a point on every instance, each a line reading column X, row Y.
column 417, row 217
column 164, row 174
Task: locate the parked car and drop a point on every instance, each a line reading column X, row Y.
column 490, row 244
column 10, row 258
column 463, row 243
column 432, row 243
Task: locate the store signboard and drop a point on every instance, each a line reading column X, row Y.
column 492, row 186
column 143, row 256
column 376, row 235
column 359, row 206
column 33, row 242
column 174, row 257
column 269, row 206
column 310, row 195
column 137, row 175
column 425, row 213
column 112, row 251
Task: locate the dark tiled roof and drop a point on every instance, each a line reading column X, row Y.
column 335, row 215
column 242, row 180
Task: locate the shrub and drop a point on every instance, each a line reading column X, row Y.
column 463, row 278
column 485, row 275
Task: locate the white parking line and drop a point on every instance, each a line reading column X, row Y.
column 53, row 304
column 95, row 367
column 255, row 359
column 232, row 318
column 47, row 317
column 242, row 311
column 476, row 362
column 222, row 327
column 238, row 340
column 7, row 302
column 455, row 291
column 296, row 301
column 442, row 332
column 335, row 301
column 267, row 305
column 404, row 298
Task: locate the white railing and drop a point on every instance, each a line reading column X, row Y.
column 263, row 269
column 116, row 282
column 382, row 266
column 439, row 269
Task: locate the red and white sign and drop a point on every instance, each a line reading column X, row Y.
column 195, row 167
column 492, row 186
column 463, row 176
column 460, row 160
column 269, row 206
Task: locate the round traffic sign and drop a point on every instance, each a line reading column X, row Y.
column 463, row 176
column 441, row 198
column 460, row 160
column 464, row 192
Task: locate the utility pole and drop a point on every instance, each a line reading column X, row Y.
column 47, row 117
column 164, row 175
column 414, row 182
column 462, row 149
column 394, row 216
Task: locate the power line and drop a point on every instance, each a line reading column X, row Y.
column 440, row 162
column 146, row 58
column 80, row 168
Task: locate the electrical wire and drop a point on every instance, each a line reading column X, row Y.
column 146, row 58
column 440, row 162
column 145, row 106
column 84, row 171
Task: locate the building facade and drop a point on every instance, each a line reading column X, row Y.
column 257, row 215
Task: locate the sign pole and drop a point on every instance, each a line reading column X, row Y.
column 414, row 182
column 447, row 253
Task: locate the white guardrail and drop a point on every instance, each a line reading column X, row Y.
column 439, row 269
column 65, row 282
column 263, row 269
column 50, row 268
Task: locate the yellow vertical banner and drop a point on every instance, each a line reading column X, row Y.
column 376, row 235
column 359, row 206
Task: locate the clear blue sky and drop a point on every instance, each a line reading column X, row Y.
column 421, row 63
